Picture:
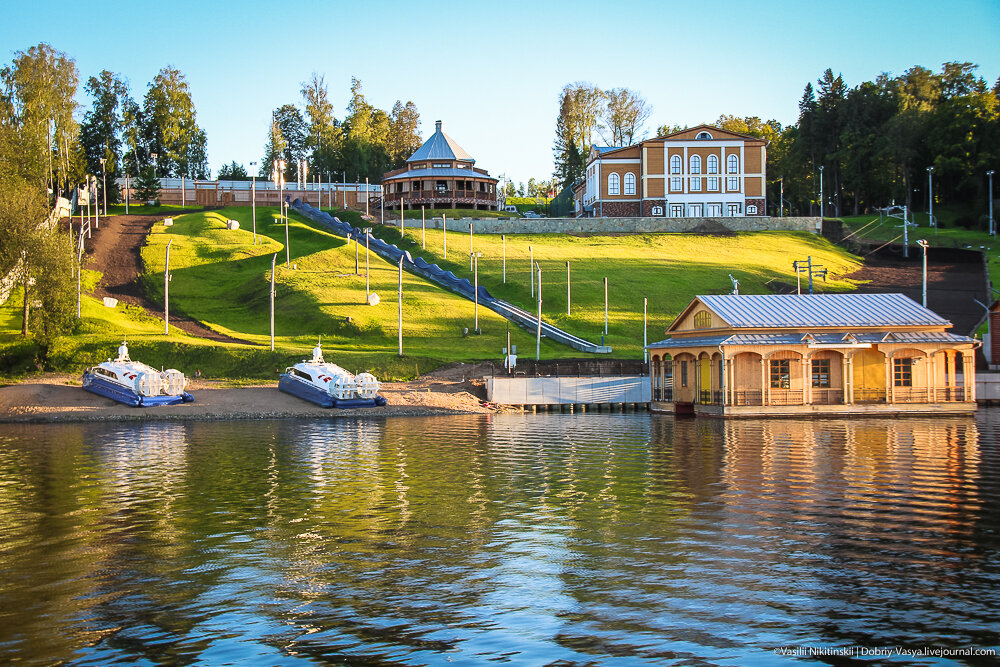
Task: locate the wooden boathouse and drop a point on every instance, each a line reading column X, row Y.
column 811, row 354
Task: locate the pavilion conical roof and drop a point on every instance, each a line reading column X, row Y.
column 440, row 147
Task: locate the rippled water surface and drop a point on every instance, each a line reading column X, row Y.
column 531, row 539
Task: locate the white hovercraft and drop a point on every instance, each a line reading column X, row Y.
column 135, row 383
column 330, row 386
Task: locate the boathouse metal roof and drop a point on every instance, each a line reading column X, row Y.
column 817, row 339
column 440, row 147
column 441, row 172
column 784, row 311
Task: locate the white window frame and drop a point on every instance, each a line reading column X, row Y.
column 713, row 164
column 733, row 210
column 614, row 184
column 713, row 184
column 694, row 164
column 695, row 184
column 675, row 164
column 732, row 164
column 676, row 184
column 677, row 210
column 732, row 184
column 657, row 210
column 629, row 183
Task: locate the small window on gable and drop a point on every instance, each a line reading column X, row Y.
column 613, row 184
column 702, row 319
column 703, row 135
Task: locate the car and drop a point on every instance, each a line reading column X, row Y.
column 532, row 214
column 509, row 209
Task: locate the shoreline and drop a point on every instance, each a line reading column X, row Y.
column 50, row 399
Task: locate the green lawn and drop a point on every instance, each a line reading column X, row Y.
column 221, row 278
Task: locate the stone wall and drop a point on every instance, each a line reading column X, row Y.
column 645, row 225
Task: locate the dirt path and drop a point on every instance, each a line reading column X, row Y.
column 114, row 250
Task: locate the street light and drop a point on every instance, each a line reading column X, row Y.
column 993, row 231
column 821, row 192
column 930, row 198
column 155, row 164
column 253, row 199
column 923, row 244
column 368, row 291
column 104, row 179
column 474, row 257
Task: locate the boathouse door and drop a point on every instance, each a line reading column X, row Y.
column 869, row 376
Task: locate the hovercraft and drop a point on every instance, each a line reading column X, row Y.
column 330, row 386
column 134, row 383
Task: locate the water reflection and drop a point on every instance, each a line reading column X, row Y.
column 528, row 538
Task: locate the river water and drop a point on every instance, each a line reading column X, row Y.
column 527, row 539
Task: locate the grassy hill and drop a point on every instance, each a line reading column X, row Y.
column 222, row 279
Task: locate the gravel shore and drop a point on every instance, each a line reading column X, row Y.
column 60, row 398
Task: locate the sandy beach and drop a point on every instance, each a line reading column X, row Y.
column 60, row 398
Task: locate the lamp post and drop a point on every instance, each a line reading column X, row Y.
column 538, row 330
column 253, row 200
column 993, row 230
column 568, row 292
column 471, row 248
column 645, row 328
column 605, row 305
column 503, row 243
column 930, row 198
column 104, row 190
column 368, row 291
column 444, row 226
column 288, row 246
column 474, row 257
column 166, row 291
column 274, row 258
column 400, row 299
column 531, row 265
column 821, row 192
column 423, row 227
column 923, row 244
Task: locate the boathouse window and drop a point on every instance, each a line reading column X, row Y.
column 733, row 164
column 684, row 373
column 702, row 319
column 781, row 371
column 821, row 373
column 630, row 183
column 713, row 164
column 675, row 164
column 902, row 372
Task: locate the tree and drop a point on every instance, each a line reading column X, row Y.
column 664, row 130
column 286, row 141
column 367, row 129
column 623, row 117
column 580, row 106
column 404, row 132
column 171, row 128
column 233, row 172
column 38, row 135
column 323, row 135
column 102, row 128
column 147, row 185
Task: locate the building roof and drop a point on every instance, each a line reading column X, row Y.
column 605, row 149
column 440, row 147
column 788, row 311
column 440, row 172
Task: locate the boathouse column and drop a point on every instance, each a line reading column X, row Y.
column 849, row 379
column 890, row 387
column 929, row 379
column 806, row 381
column 968, row 377
column 730, row 395
column 765, row 384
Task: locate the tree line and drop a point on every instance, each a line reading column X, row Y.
column 874, row 142
column 367, row 143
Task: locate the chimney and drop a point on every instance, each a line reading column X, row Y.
column 437, row 126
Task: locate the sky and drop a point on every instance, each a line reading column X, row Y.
column 492, row 72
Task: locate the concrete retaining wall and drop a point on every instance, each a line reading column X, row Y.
column 619, row 225
column 567, row 390
column 987, row 387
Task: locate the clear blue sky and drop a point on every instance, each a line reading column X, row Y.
column 492, row 72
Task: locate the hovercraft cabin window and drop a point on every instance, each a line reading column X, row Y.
column 301, row 374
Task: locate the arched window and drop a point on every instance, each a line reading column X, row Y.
column 695, row 164
column 702, row 319
column 613, row 184
column 713, row 164
column 630, row 183
column 703, row 135
column 733, row 164
column 675, row 164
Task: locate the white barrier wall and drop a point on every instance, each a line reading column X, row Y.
column 567, row 390
column 987, row 386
